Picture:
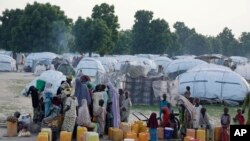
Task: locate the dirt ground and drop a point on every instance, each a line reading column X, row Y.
column 11, row 84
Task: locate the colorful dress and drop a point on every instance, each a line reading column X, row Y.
column 70, row 115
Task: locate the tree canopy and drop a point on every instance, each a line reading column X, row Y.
column 39, row 27
column 45, row 27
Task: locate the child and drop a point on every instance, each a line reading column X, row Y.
column 204, row 122
column 197, row 108
column 173, row 124
column 100, row 115
column 165, row 117
column 152, row 125
column 239, row 118
column 225, row 123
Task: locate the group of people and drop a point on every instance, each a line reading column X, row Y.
column 192, row 115
column 81, row 103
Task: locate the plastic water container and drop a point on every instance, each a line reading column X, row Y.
column 168, row 133
column 40, row 84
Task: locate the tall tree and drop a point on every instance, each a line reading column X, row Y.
column 10, row 20
column 215, row 45
column 40, row 27
column 229, row 43
column 183, row 33
column 197, row 44
column 159, row 36
column 124, row 43
column 107, row 14
column 245, row 43
column 92, row 35
column 141, row 30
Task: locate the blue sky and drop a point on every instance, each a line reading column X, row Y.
column 208, row 17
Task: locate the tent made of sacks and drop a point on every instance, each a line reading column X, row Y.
column 214, row 82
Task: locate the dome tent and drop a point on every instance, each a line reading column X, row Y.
column 239, row 60
column 214, row 82
column 7, row 63
column 39, row 57
column 108, row 63
column 162, row 60
column 179, row 66
column 91, row 67
column 243, row 70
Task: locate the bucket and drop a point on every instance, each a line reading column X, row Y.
column 40, row 84
column 168, row 133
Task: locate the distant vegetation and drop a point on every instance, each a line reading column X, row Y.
column 45, row 27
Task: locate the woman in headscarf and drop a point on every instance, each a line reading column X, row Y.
column 115, row 105
column 83, row 118
column 47, row 97
column 70, row 112
column 35, row 103
column 99, row 94
column 82, row 92
column 165, row 117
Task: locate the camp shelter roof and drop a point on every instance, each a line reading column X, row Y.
column 7, row 63
column 243, row 70
column 212, row 82
column 108, row 63
column 182, row 65
column 39, row 56
column 162, row 60
column 90, row 66
column 239, row 59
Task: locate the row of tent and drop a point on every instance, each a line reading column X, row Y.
column 205, row 79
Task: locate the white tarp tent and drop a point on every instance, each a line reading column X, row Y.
column 50, row 76
column 214, row 82
column 108, row 63
column 239, row 60
column 244, row 70
column 182, row 65
column 38, row 57
column 150, row 64
column 7, row 63
column 162, row 60
column 93, row 68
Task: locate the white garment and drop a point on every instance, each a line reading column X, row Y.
column 197, row 116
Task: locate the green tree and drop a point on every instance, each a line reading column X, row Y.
column 10, row 21
column 141, row 30
column 124, row 43
column 175, row 47
column 245, row 43
column 107, row 14
column 40, row 27
column 229, row 43
column 197, row 44
column 183, row 33
column 215, row 45
column 92, row 35
column 159, row 37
